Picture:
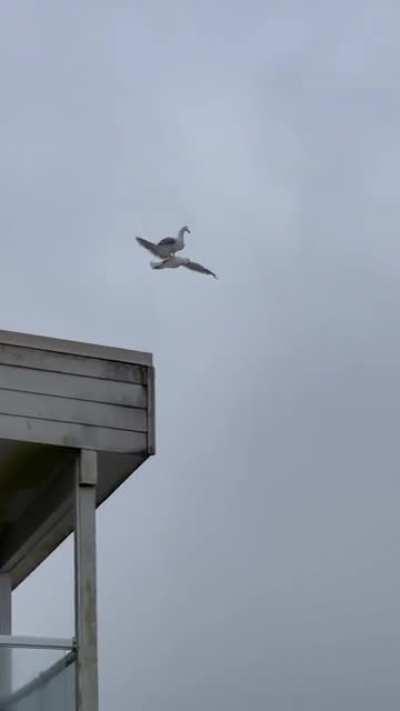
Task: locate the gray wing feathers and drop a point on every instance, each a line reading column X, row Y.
column 196, row 267
column 153, row 248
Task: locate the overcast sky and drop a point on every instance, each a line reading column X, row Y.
column 254, row 562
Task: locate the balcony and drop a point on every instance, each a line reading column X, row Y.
column 37, row 674
column 76, row 420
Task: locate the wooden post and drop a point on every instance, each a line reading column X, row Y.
column 5, row 628
column 85, row 581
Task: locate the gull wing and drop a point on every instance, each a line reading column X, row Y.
column 153, row 248
column 196, row 267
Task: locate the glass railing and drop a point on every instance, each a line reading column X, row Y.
column 36, row 674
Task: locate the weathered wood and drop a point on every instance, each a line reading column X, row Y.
column 85, row 582
column 73, row 364
column 71, row 435
column 46, row 407
column 73, row 386
column 151, row 412
column 5, row 604
column 91, row 350
column 5, row 629
column 48, row 519
column 56, row 399
column 43, row 524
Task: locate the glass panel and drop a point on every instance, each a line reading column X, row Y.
column 37, row 680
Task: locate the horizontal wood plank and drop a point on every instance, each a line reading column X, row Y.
column 71, row 435
column 61, row 409
column 72, row 386
column 92, row 350
column 73, row 364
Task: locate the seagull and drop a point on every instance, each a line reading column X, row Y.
column 168, row 246
column 174, row 262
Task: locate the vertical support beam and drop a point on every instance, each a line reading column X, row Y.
column 85, row 581
column 5, row 603
column 5, row 628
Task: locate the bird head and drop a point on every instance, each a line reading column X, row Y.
column 185, row 228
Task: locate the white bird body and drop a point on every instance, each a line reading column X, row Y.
column 168, row 246
column 175, row 262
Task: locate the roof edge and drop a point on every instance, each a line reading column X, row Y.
column 91, row 350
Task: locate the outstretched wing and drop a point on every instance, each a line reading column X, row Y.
column 153, row 248
column 196, row 267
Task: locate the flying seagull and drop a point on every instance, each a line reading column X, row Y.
column 168, row 246
column 174, row 262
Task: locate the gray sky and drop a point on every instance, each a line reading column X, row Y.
column 254, row 562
